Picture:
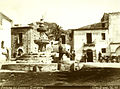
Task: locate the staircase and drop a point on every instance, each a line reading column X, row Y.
column 34, row 58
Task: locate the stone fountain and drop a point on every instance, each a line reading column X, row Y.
column 41, row 61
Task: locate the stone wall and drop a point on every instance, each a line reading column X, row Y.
column 26, row 39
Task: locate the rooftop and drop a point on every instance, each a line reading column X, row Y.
column 103, row 25
column 96, row 26
column 4, row 16
column 17, row 26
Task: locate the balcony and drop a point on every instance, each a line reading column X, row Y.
column 41, row 41
column 89, row 44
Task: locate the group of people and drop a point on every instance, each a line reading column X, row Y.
column 84, row 58
column 103, row 59
column 108, row 59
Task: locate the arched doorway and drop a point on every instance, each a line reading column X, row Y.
column 89, row 55
column 117, row 51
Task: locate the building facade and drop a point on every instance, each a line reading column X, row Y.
column 114, row 32
column 102, row 37
column 5, row 31
column 25, row 38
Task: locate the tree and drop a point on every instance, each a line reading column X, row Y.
column 54, row 29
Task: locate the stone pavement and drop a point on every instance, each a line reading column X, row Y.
column 93, row 77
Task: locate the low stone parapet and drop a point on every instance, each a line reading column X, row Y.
column 92, row 65
column 35, row 67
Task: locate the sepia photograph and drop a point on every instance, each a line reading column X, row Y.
column 59, row 44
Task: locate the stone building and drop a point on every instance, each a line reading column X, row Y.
column 26, row 39
column 21, row 39
column 91, row 40
column 102, row 37
column 5, row 31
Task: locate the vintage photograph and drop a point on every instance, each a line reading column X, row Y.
column 59, row 44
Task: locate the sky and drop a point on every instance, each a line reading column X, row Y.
column 69, row 14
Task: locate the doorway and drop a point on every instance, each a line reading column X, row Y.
column 89, row 55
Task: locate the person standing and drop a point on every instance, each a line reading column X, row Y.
column 85, row 57
column 73, row 54
column 60, row 55
column 3, row 52
column 60, row 51
column 99, row 56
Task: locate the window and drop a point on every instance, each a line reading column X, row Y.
column 20, row 38
column 103, row 50
column 103, row 36
column 103, row 25
column 89, row 37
